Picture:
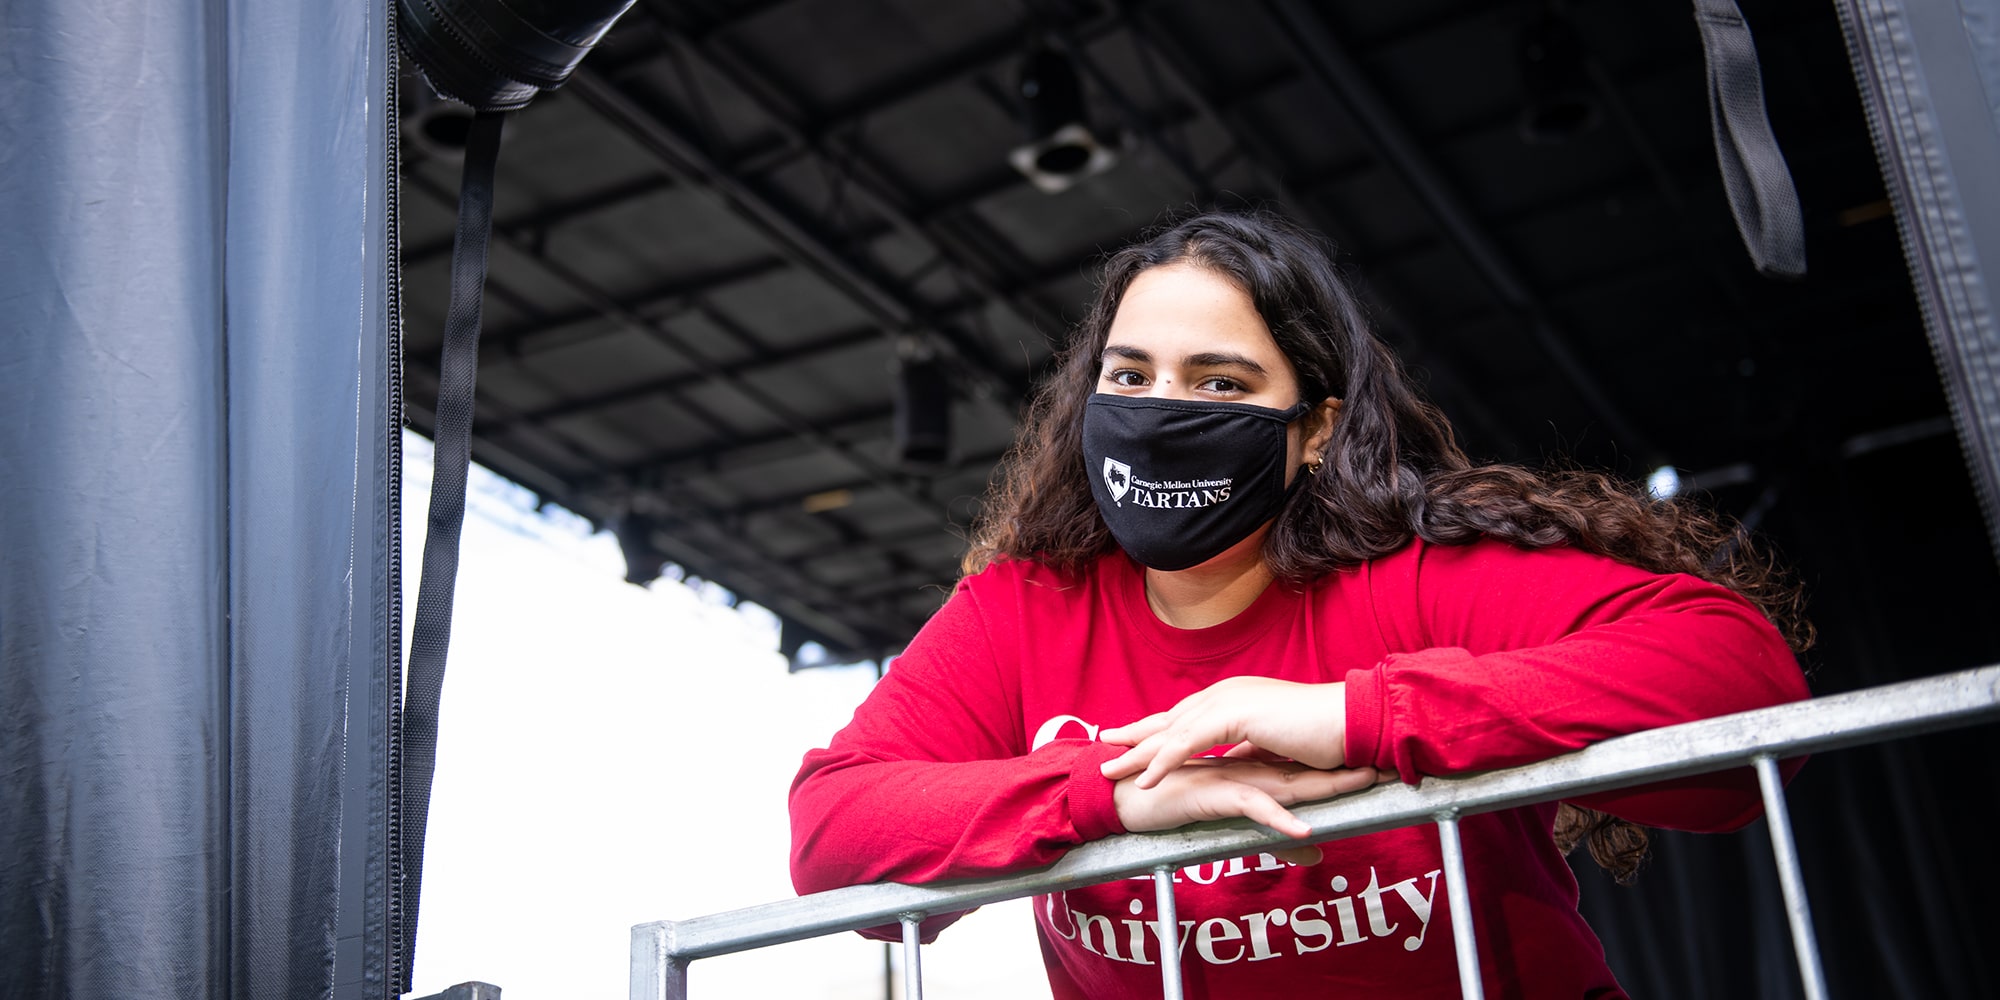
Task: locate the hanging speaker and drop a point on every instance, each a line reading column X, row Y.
column 923, row 414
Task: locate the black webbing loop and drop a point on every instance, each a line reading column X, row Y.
column 457, row 369
column 1754, row 174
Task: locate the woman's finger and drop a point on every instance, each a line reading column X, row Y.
column 1247, row 750
column 1145, row 755
column 1292, row 784
column 1284, row 720
column 1265, row 796
column 1173, row 747
column 1125, row 765
column 1218, row 787
column 1132, row 732
column 1143, row 760
column 1256, row 804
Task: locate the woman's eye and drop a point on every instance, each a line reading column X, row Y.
column 1124, row 377
column 1217, row 383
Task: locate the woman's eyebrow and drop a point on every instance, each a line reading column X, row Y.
column 1217, row 359
column 1204, row 359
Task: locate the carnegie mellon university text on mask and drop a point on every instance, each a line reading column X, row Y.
column 1177, row 492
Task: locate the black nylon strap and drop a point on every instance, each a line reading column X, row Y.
column 1754, row 174
column 457, row 369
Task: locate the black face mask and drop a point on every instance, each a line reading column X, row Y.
column 1178, row 480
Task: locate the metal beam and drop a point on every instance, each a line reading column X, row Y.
column 1000, row 51
column 799, row 427
column 719, row 542
column 761, row 361
column 869, row 179
column 683, row 157
column 1454, row 391
column 550, row 331
column 786, row 589
column 772, row 581
column 775, row 582
column 990, row 53
column 795, row 501
column 708, row 458
column 777, row 409
column 543, row 217
column 495, row 450
column 754, row 575
column 870, row 546
column 1306, row 34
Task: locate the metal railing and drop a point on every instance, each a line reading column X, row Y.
column 662, row 951
column 474, row 990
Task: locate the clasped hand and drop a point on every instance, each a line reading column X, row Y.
column 1287, row 744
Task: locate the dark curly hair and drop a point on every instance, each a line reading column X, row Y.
column 1394, row 470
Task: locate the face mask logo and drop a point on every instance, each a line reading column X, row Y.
column 1201, row 475
column 1117, row 479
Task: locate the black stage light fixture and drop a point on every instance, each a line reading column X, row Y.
column 496, row 55
column 922, row 409
column 1561, row 103
column 1061, row 148
column 789, row 641
column 643, row 559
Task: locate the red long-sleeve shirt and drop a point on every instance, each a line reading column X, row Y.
column 977, row 755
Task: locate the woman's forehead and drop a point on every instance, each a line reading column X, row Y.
column 1176, row 310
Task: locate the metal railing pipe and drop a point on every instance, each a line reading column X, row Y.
column 1458, row 895
column 1790, row 878
column 913, row 957
column 1905, row 709
column 1170, row 950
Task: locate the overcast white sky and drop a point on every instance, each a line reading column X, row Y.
column 610, row 755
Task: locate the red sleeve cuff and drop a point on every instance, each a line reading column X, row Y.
column 1366, row 715
column 1091, row 809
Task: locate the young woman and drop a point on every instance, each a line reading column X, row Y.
column 1235, row 563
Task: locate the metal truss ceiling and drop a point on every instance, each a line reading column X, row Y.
column 713, row 241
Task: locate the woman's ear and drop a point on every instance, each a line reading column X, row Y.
column 1319, row 427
